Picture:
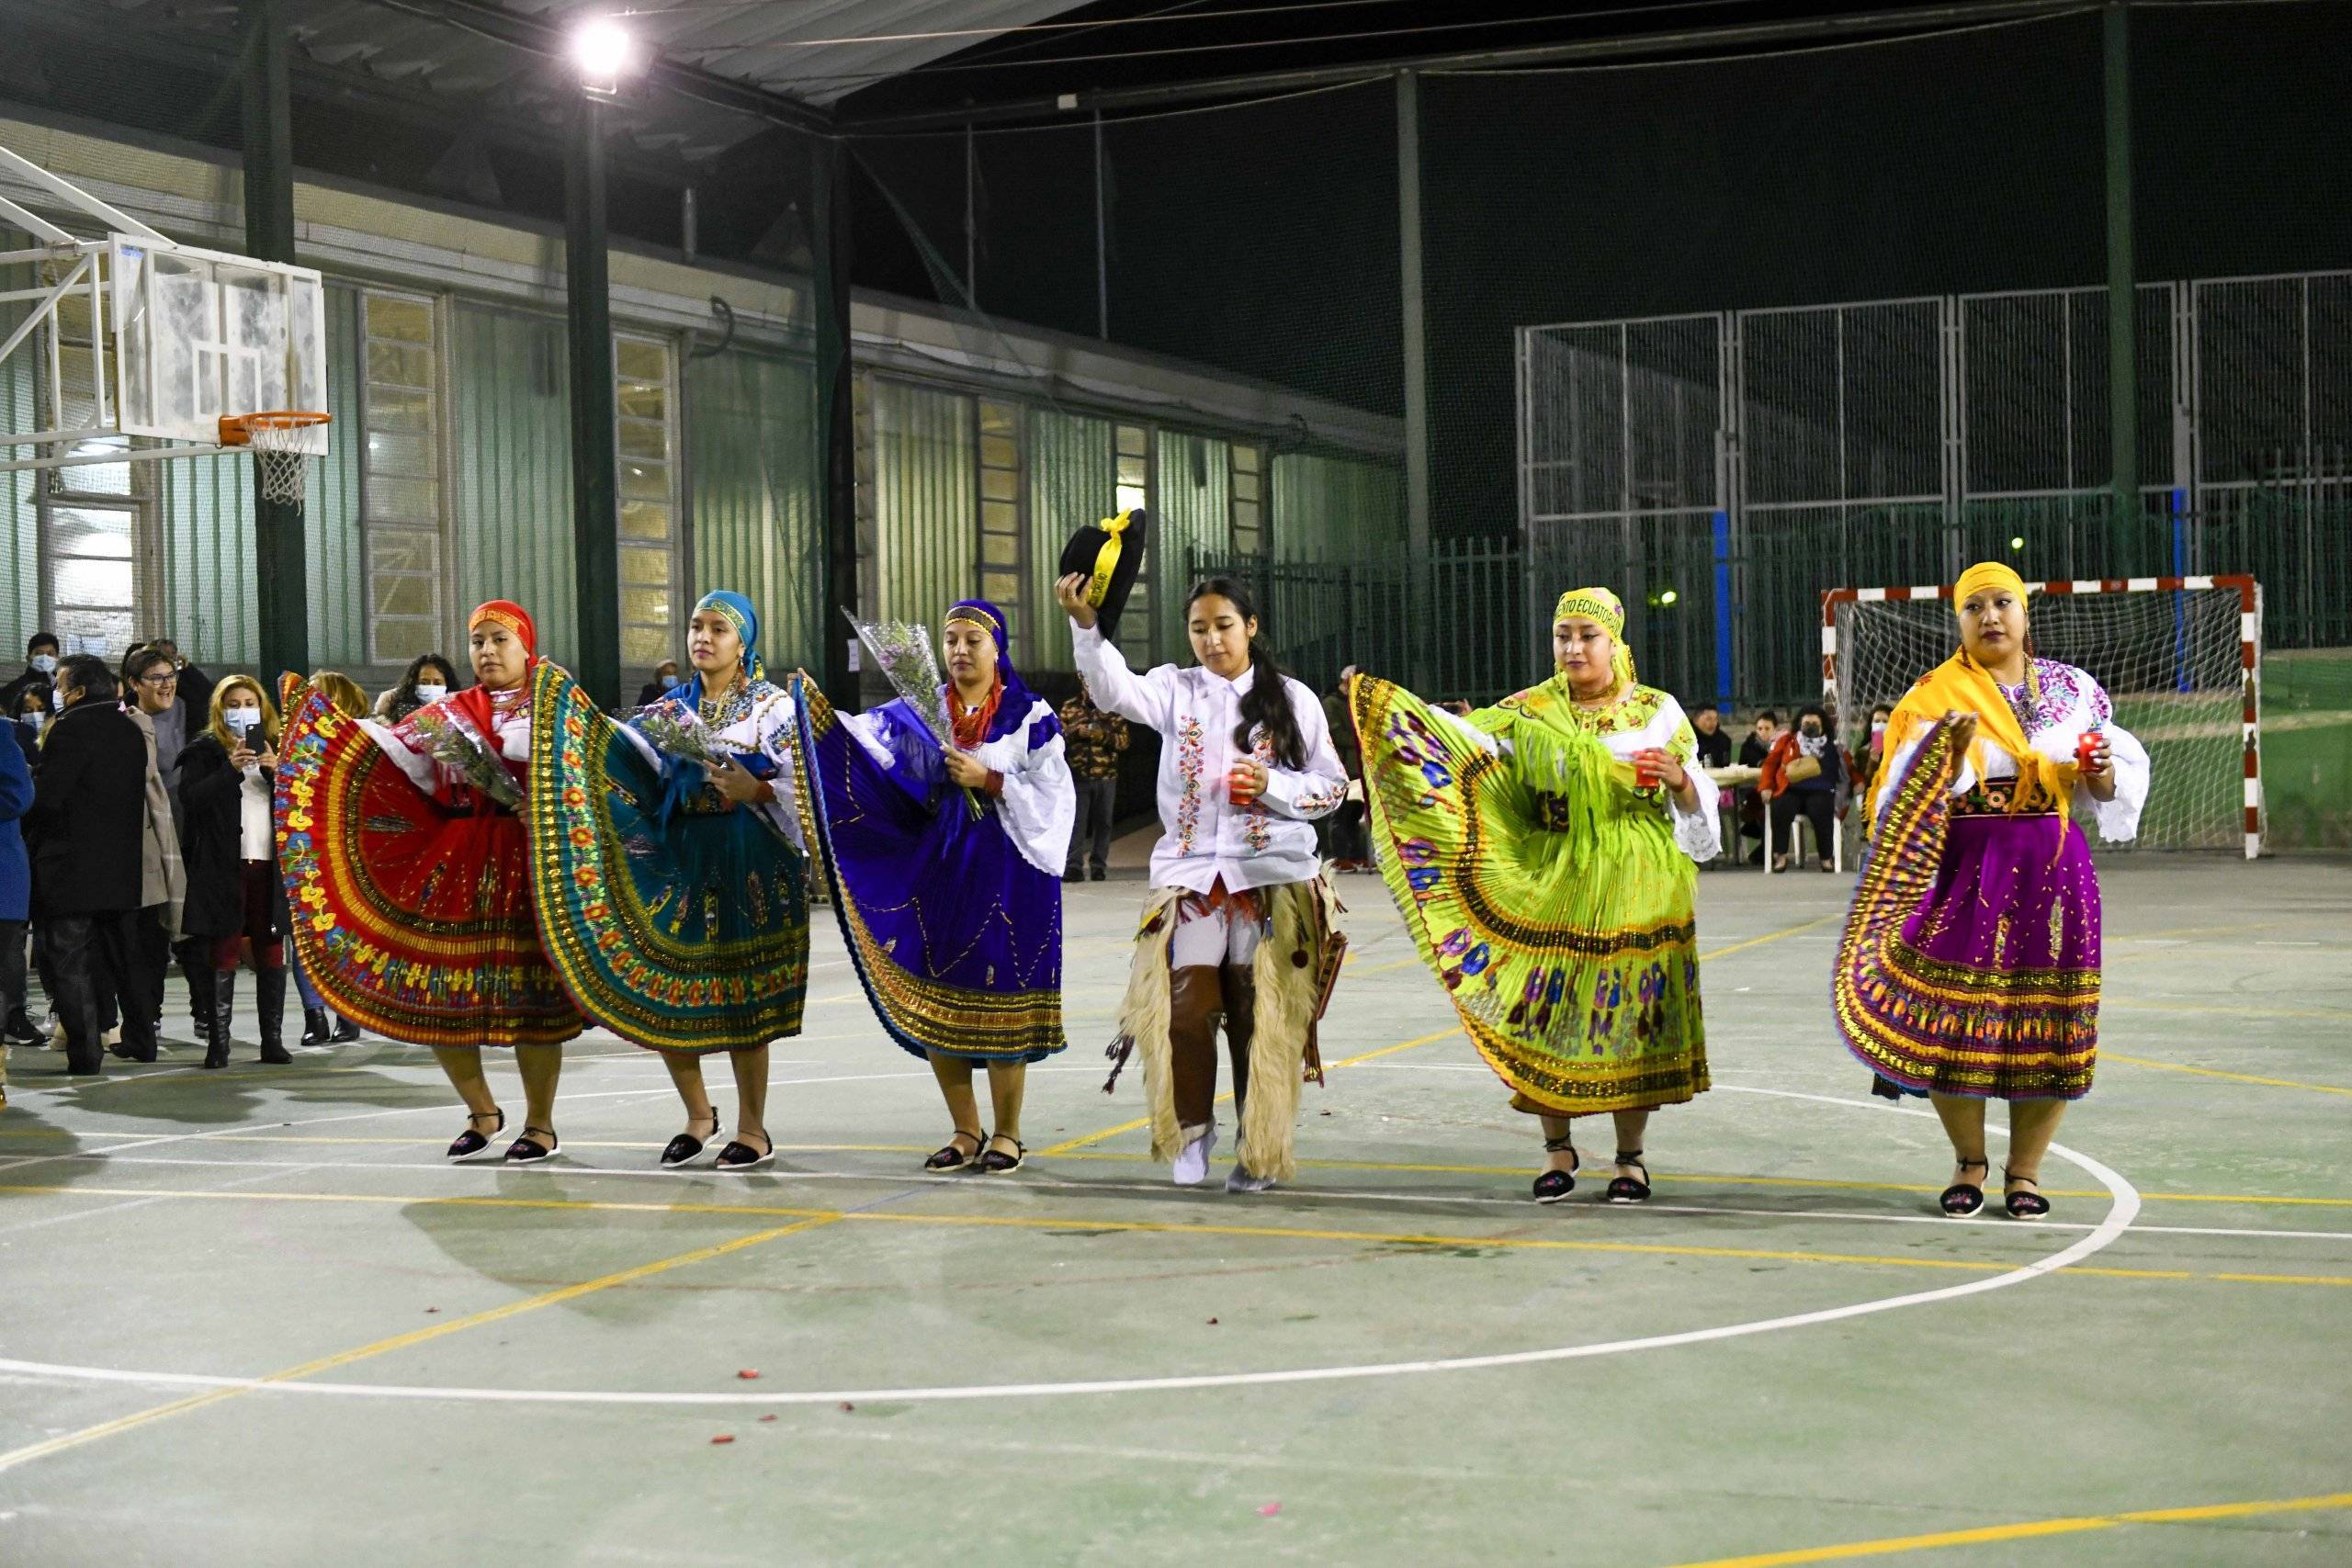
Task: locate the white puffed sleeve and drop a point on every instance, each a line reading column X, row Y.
column 1038, row 803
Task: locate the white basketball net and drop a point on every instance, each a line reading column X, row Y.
column 2170, row 662
column 285, row 466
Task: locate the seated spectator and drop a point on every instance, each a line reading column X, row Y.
column 428, row 679
column 91, row 843
column 1752, row 752
column 1802, row 774
column 664, row 682
column 1714, row 746
column 236, row 900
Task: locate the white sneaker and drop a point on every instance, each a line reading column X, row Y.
column 1238, row 1180
column 56, row 1032
column 1192, row 1164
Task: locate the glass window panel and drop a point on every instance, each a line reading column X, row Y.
column 644, row 438
column 645, row 482
column 393, row 499
column 643, row 361
column 1245, row 460
column 411, row 321
column 645, row 520
column 90, row 531
column 644, row 646
column 1133, row 472
column 998, row 485
column 999, row 452
column 1134, row 441
column 640, row 564
column 408, row 364
column 113, row 625
column 394, row 453
column 403, row 549
column 402, row 638
column 999, row 517
column 996, row 419
column 1000, row 550
column 646, row 607
column 1002, row 588
column 100, row 582
column 1245, row 486
column 1129, row 497
column 400, row 596
column 405, row 409
column 634, row 401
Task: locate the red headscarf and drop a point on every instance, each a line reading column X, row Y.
column 474, row 702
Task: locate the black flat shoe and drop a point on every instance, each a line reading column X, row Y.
column 993, row 1163
column 524, row 1151
column 1627, row 1189
column 950, row 1157
column 685, row 1146
column 1962, row 1199
column 1555, row 1185
column 740, row 1156
column 346, row 1033
column 2023, row 1205
column 468, row 1142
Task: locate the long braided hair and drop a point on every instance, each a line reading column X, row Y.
column 1267, row 703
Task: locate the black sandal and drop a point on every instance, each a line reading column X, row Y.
column 995, row 1164
column 2024, row 1205
column 1627, row 1189
column 740, row 1156
column 950, row 1157
column 1962, row 1199
column 471, row 1143
column 523, row 1151
column 685, row 1146
column 1555, row 1185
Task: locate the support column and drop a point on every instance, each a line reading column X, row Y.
column 2123, row 278
column 836, row 417
column 281, row 554
column 595, row 518
column 1416, row 370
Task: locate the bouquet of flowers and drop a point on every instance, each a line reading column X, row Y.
column 903, row 652
column 453, row 747
column 668, row 733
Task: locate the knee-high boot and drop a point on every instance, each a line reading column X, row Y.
column 269, row 1013
column 201, row 981
column 1240, row 988
column 1195, row 1000
column 224, row 1001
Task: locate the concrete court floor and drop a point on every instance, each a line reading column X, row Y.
column 298, row 1226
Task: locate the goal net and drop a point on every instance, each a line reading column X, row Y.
column 2180, row 658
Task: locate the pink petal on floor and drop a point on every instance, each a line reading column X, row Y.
column 1268, row 1510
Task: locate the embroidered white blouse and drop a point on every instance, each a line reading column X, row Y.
column 405, row 744
column 757, row 721
column 2071, row 705
column 1205, row 836
column 1036, row 802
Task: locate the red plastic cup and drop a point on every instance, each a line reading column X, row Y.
column 2089, row 743
column 1646, row 770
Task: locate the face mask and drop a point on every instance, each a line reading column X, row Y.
column 669, row 682
column 1878, row 730
column 431, row 691
column 45, row 662
column 242, row 720
column 57, row 700
column 33, row 721
column 1813, row 729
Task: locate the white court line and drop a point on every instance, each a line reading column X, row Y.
column 2123, row 1209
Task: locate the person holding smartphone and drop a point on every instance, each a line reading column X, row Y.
column 236, row 900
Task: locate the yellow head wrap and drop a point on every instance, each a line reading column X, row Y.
column 1985, row 574
column 1600, row 605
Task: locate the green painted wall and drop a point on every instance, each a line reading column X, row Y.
column 1073, row 481
column 212, row 583
column 751, row 441
column 1194, row 488
column 511, row 457
column 337, row 563
column 925, row 530
column 1336, row 509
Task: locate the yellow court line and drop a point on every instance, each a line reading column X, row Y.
column 2217, row 1073
column 2027, row 1531
column 1081, row 1223
column 404, row 1341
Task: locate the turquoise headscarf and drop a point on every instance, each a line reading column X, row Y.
column 685, row 777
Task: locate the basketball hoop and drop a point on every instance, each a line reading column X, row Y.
column 278, row 439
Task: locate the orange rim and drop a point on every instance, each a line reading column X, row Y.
column 236, row 429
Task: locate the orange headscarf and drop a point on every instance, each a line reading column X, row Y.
column 474, row 702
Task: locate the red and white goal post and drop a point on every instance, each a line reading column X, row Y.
column 2180, row 658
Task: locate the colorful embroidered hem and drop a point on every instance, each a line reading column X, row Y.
column 956, row 939
column 691, row 935
column 1971, row 959
column 412, row 918
column 1547, row 896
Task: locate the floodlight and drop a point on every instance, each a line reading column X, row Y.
column 603, row 51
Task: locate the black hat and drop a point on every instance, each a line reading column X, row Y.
column 1108, row 555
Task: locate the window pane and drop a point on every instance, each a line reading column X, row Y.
column 113, row 627
column 996, row 419
column 411, row 321
column 402, row 638
column 1000, row 550
column 403, row 549
column 399, row 408
column 644, row 438
column 1245, row 486
column 642, row 402
column 407, row 501
column 1245, row 459
column 644, row 646
column 392, row 595
column 98, row 583
column 1129, row 497
column 640, row 361
column 645, row 520
column 999, row 452
column 640, row 564
column 77, row 531
column 999, row 517
column 1002, row 588
column 645, row 482
column 1134, row 441
column 409, row 364
column 1132, row 473
column 998, row 485
column 646, row 607
column 409, row 457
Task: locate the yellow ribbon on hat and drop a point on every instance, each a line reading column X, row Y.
column 1106, row 559
column 1600, row 605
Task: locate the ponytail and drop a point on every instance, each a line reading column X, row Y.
column 1266, row 706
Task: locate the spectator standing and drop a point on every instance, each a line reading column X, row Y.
column 16, row 900
column 429, row 678
column 1094, row 740
column 236, row 900
column 1752, row 752
column 664, row 682
column 1345, row 837
column 1803, row 776
column 90, row 838
column 31, row 712
column 41, row 669
column 151, row 680
column 195, row 687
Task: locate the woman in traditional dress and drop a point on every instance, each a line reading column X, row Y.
column 946, row 865
column 672, row 884
column 1970, row 969
column 1238, row 928
column 1544, row 853
column 410, row 876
